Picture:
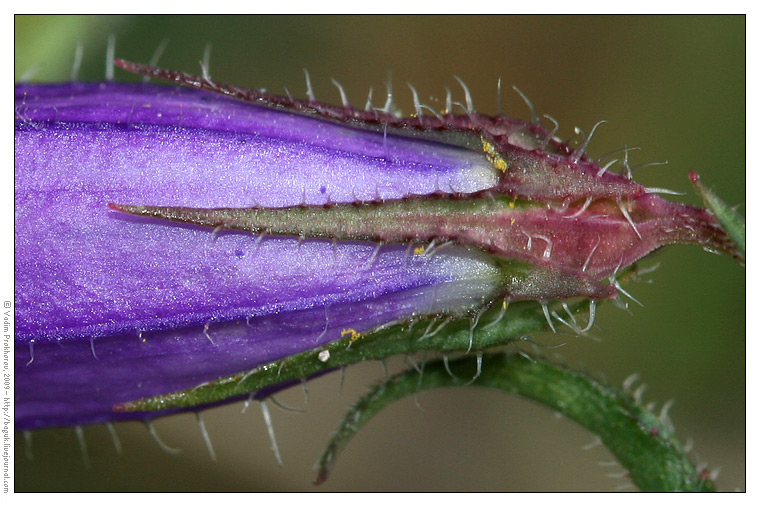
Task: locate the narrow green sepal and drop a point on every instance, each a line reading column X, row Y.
column 497, row 326
column 731, row 221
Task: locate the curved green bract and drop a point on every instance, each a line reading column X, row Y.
column 642, row 442
column 495, row 327
column 731, row 221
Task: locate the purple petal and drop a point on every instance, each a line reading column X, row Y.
column 114, row 308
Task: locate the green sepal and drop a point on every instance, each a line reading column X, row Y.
column 731, row 221
column 494, row 327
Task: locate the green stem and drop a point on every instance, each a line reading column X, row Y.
column 642, row 442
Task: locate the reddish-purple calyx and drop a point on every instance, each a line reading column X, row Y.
column 552, row 208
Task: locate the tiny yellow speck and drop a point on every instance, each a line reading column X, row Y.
column 493, row 156
column 419, row 250
column 512, row 204
column 512, row 221
column 353, row 334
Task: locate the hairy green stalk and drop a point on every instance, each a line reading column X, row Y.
column 642, row 442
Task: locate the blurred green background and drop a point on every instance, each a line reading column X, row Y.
column 674, row 86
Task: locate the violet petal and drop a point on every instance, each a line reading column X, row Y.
column 113, row 308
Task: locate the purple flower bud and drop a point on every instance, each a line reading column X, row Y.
column 113, row 307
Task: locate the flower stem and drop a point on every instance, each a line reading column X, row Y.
column 642, row 442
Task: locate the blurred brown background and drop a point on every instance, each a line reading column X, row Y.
column 673, row 85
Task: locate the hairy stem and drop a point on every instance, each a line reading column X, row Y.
column 642, row 442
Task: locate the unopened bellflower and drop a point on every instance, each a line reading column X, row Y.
column 111, row 308
column 114, row 306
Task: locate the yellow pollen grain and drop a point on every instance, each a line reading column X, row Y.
column 493, row 156
column 419, row 250
column 512, row 205
column 352, row 333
